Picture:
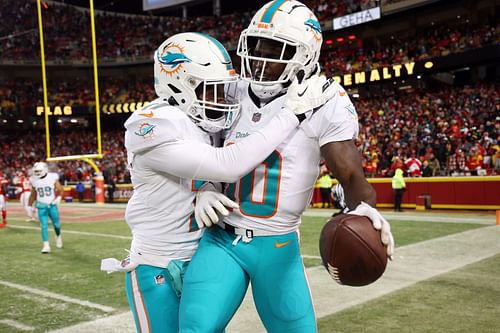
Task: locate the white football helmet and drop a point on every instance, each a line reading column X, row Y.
column 299, row 37
column 40, row 169
column 192, row 72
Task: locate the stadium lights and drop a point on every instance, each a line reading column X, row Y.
column 74, row 121
column 59, row 121
column 20, row 121
column 4, row 121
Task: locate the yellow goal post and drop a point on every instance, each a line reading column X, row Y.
column 98, row 179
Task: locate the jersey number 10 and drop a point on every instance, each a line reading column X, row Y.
column 269, row 183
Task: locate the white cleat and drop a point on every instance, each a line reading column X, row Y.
column 46, row 247
column 31, row 219
column 59, row 242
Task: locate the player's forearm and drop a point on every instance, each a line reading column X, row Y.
column 343, row 160
column 360, row 190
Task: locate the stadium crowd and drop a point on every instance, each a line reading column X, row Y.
column 450, row 131
column 20, row 153
column 18, row 94
column 132, row 37
column 445, row 131
column 436, row 41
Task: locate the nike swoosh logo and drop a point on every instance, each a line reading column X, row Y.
column 300, row 95
column 278, row 245
column 149, row 115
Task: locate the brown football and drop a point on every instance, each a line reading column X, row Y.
column 352, row 251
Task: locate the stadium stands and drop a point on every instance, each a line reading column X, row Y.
column 433, row 119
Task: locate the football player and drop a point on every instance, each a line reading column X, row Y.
column 46, row 195
column 258, row 242
column 171, row 145
column 24, row 198
column 3, row 199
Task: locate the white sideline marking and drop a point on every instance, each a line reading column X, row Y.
column 63, row 298
column 113, row 236
column 310, row 257
column 16, row 325
column 425, row 217
column 412, row 263
column 84, row 233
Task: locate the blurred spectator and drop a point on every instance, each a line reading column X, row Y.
column 433, row 165
column 426, row 170
column 413, row 166
column 111, row 189
column 325, row 183
column 80, row 190
column 474, row 162
column 399, row 187
column 456, row 163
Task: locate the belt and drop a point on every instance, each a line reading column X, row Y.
column 244, row 232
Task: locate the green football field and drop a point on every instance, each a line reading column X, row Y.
column 41, row 293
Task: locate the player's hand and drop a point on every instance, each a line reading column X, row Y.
column 306, row 95
column 379, row 223
column 56, row 201
column 208, row 205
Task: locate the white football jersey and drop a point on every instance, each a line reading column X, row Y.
column 45, row 187
column 159, row 213
column 274, row 195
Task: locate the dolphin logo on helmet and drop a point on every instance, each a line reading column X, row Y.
column 191, row 72
column 173, row 59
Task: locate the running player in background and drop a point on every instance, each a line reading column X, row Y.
column 259, row 242
column 170, row 148
column 3, row 199
column 46, row 195
column 24, row 198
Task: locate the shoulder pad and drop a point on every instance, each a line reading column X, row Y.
column 155, row 124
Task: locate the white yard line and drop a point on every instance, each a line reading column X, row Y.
column 59, row 297
column 488, row 219
column 412, row 264
column 306, row 256
column 17, row 325
column 84, row 233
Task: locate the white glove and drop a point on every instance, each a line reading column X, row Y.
column 379, row 223
column 111, row 265
column 306, row 95
column 208, row 204
column 56, row 201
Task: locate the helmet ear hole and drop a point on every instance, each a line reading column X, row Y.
column 171, row 100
